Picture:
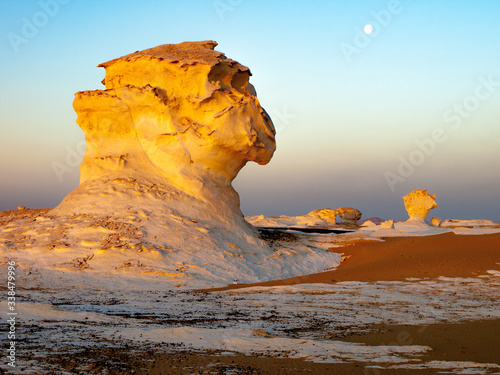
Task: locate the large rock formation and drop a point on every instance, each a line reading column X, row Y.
column 418, row 203
column 173, row 128
column 165, row 139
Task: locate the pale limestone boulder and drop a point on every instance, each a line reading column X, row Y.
column 323, row 217
column 436, row 222
column 387, row 224
column 325, row 214
column 418, row 203
column 349, row 215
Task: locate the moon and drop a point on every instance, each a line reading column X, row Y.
column 368, row 29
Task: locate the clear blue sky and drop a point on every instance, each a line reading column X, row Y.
column 351, row 108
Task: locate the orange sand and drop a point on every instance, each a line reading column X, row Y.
column 398, row 258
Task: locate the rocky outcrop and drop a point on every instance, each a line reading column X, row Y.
column 322, row 217
column 388, row 224
column 349, row 215
column 176, row 122
column 165, row 139
column 436, row 222
column 327, row 215
column 418, row 203
column 185, row 113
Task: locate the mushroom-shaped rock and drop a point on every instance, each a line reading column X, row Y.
column 165, row 139
column 349, row 215
column 418, row 203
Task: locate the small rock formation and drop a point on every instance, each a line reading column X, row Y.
column 387, row 224
column 325, row 214
column 374, row 220
column 20, row 208
column 436, row 222
column 368, row 223
column 349, row 215
column 418, row 203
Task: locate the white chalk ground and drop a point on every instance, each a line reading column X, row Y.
column 94, row 305
column 285, row 321
column 117, row 250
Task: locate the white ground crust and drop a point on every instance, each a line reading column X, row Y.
column 136, row 252
column 105, row 279
column 283, row 321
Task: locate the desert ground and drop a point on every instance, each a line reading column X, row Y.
column 411, row 304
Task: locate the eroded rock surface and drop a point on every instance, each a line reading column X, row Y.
column 322, row 217
column 173, row 128
column 165, row 139
column 418, row 203
column 435, row 221
column 388, row 224
column 349, row 215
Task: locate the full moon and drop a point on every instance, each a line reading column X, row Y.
column 368, row 29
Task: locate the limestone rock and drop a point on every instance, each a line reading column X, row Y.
column 325, row 214
column 165, row 139
column 183, row 112
column 436, row 222
column 323, row 217
column 418, row 203
column 375, row 220
column 387, row 224
column 349, row 215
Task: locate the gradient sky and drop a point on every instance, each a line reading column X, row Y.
column 350, row 108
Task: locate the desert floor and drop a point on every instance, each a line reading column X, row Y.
column 418, row 305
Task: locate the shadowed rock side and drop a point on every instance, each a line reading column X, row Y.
column 165, row 139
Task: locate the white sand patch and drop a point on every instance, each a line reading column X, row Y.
column 468, row 223
column 90, row 251
column 39, row 312
column 475, row 231
column 295, row 321
column 250, row 342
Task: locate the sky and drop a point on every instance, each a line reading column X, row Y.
column 362, row 119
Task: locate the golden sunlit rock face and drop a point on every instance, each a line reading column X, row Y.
column 155, row 206
column 349, row 215
column 181, row 111
column 165, row 139
column 418, row 203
